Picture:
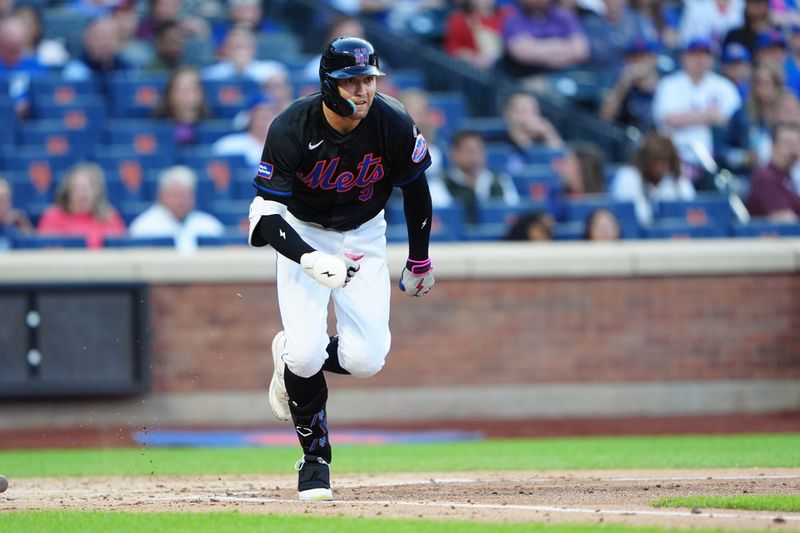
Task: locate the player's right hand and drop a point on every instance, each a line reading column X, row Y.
column 332, row 271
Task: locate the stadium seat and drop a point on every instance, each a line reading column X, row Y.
column 232, row 214
column 55, row 139
column 542, row 155
column 145, row 137
column 447, row 223
column 129, row 176
column 56, row 91
column 278, row 45
column 705, row 209
column 9, row 121
column 453, row 107
column 229, row 239
column 131, row 209
column 210, row 131
column 228, row 97
column 570, row 231
column 679, row 228
column 135, row 97
column 42, row 169
column 139, row 242
column 220, row 178
column 765, row 228
column 86, row 117
column 27, row 242
column 407, row 79
column 580, row 209
column 497, row 155
column 538, row 183
column 492, row 129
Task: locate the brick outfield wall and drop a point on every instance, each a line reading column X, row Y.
column 488, row 332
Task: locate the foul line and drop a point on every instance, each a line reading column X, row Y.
column 517, row 507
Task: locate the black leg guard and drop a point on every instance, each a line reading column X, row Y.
column 332, row 362
column 311, row 423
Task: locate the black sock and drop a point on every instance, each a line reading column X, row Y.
column 332, row 362
column 311, row 423
column 302, row 391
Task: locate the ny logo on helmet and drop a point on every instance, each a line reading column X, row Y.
column 362, row 56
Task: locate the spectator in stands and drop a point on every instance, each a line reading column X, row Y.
column 279, row 88
column 249, row 144
column 242, row 13
column 135, row 51
column 772, row 194
column 611, row 33
column 747, row 140
column 162, row 11
column 655, row 174
column 542, row 37
column 341, row 26
column 710, row 20
column 12, row 221
column 470, row 182
column 169, row 43
column 473, row 32
column 784, row 13
column 692, row 102
column 602, row 225
column 533, row 226
column 184, row 104
column 660, row 15
column 174, row 214
column 526, row 129
column 771, row 48
column 82, row 208
column 17, row 65
column 581, row 169
column 237, row 59
column 736, row 65
column 100, row 57
column 630, row 101
column 756, row 20
column 50, row 53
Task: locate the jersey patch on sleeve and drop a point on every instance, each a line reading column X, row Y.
column 265, row 170
column 420, row 149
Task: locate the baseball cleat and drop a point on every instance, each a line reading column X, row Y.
column 278, row 397
column 314, row 479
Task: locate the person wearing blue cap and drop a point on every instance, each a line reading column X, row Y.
column 692, row 102
column 630, row 101
column 772, row 48
column 736, row 64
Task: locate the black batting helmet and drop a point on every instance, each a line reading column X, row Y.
column 345, row 57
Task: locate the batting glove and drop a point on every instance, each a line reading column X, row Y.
column 332, row 271
column 417, row 277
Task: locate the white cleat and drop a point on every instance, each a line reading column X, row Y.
column 278, row 397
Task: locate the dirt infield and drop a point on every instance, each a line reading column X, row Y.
column 573, row 496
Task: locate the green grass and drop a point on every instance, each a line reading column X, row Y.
column 234, row 522
column 716, row 451
column 750, row 502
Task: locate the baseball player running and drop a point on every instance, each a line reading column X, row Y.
column 329, row 165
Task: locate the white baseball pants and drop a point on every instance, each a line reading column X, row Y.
column 361, row 307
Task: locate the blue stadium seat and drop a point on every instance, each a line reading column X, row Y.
column 229, row 239
column 129, row 176
column 55, row 139
column 485, row 232
column 85, row 117
column 765, row 228
column 135, row 97
column 42, row 169
column 679, row 228
column 453, row 107
column 145, row 137
column 570, row 231
column 278, row 45
column 492, row 129
column 497, row 155
column 447, row 224
column 129, row 210
column 542, row 155
column 9, row 120
column 232, row 214
column 56, row 91
column 407, row 79
column 538, row 183
column 26, row 242
column 705, row 209
column 32, row 192
column 228, row 97
column 581, row 209
column 210, row 131
column 220, row 178
column 139, row 242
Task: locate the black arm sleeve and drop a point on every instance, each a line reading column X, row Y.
column 418, row 210
column 277, row 233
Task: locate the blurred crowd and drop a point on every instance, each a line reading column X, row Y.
column 707, row 91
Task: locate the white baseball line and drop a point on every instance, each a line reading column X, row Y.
column 541, row 508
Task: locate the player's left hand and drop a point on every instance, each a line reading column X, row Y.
column 417, row 277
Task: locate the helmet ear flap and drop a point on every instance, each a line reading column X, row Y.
column 334, row 100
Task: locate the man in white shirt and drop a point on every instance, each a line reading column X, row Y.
column 173, row 215
column 691, row 102
column 237, row 59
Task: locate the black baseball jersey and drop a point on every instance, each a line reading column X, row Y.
column 339, row 181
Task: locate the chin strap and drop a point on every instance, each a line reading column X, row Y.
column 335, row 101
